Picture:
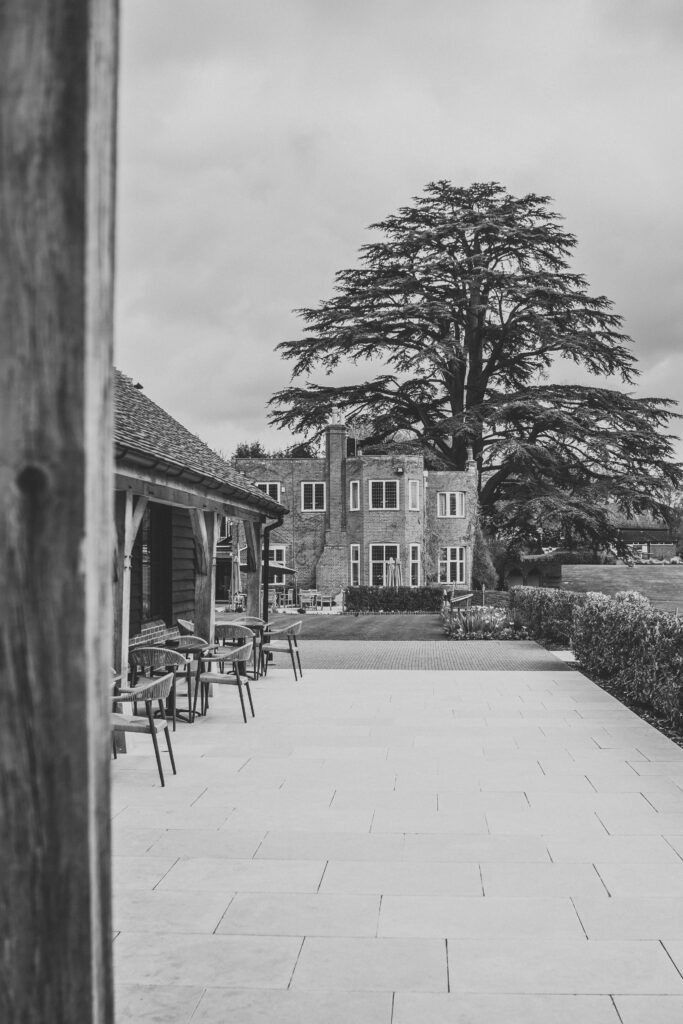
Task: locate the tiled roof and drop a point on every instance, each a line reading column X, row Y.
column 143, row 427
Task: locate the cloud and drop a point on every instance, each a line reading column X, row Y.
column 258, row 140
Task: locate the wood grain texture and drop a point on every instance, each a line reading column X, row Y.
column 253, row 533
column 205, row 530
column 57, row 112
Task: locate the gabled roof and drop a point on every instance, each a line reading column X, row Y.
column 142, row 429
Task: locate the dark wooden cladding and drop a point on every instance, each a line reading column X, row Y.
column 183, row 566
column 57, row 106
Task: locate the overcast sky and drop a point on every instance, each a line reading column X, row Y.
column 259, row 138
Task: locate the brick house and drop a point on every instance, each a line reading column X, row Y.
column 353, row 517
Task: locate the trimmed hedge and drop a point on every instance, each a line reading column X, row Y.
column 545, row 613
column 623, row 640
column 393, row 599
column 561, row 557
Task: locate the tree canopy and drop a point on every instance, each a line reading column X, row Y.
column 467, row 299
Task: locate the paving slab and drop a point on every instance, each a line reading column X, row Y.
column 376, row 837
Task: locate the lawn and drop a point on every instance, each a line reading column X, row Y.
column 370, row 627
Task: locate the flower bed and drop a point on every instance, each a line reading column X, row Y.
column 480, row 623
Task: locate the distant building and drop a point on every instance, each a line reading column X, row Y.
column 369, row 519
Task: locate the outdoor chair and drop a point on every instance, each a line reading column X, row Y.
column 191, row 647
column 156, row 661
column 281, row 640
column 256, row 625
column 158, row 689
column 229, row 661
column 185, row 627
column 308, row 598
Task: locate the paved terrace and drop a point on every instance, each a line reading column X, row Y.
column 413, row 847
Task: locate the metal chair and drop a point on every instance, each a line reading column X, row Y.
column 156, row 661
column 148, row 691
column 282, row 640
column 235, row 657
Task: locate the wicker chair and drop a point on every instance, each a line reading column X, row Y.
column 238, row 632
column 156, row 661
column 192, row 647
column 282, row 640
column 150, row 690
column 235, row 658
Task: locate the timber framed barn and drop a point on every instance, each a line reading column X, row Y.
column 172, row 493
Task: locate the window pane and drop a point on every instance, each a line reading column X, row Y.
column 376, row 494
column 308, row 496
column 354, row 494
column 377, row 574
column 390, row 551
column 453, row 504
column 377, row 553
column 414, row 494
column 274, row 491
column 441, row 497
column 391, row 494
column 320, row 496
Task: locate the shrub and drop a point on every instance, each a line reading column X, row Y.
column 638, row 649
column 393, row 599
column 544, row 612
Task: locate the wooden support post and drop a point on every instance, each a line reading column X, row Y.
column 128, row 512
column 254, row 547
column 205, row 530
column 57, row 110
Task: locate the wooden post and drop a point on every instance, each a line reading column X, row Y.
column 254, row 544
column 128, row 513
column 57, row 111
column 205, row 530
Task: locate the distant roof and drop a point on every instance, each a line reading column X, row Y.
column 143, row 428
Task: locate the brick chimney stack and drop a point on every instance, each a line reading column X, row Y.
column 335, row 452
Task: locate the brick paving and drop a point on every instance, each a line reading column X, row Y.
column 403, row 847
column 432, row 655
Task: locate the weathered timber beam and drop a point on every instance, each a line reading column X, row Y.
column 57, row 111
column 205, row 530
column 160, row 490
column 128, row 512
column 254, row 545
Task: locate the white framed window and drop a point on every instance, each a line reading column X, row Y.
column 415, row 565
column 450, row 504
column 354, row 495
column 278, row 553
column 414, row 495
column 355, row 565
column 383, row 562
column 271, row 488
column 383, row 494
column 452, row 565
column 313, row 497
